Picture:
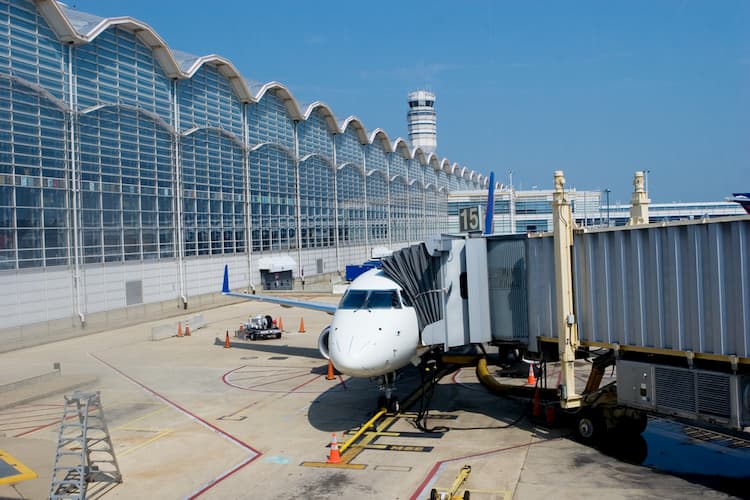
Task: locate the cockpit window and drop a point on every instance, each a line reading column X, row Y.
column 370, row 299
column 353, row 299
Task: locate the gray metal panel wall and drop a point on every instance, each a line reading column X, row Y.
column 540, row 273
column 507, row 282
column 681, row 287
column 479, row 295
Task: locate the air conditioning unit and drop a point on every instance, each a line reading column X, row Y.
column 714, row 397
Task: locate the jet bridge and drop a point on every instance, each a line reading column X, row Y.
column 671, row 300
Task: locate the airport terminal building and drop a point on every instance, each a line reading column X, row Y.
column 131, row 172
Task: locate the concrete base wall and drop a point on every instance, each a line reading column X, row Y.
column 51, row 331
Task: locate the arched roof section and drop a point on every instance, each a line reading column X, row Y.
column 327, row 114
column 433, row 161
column 399, row 178
column 455, row 167
column 402, row 147
column 73, row 26
column 418, row 155
column 379, row 135
column 417, row 183
column 359, row 128
column 285, row 95
column 464, row 173
column 78, row 28
column 445, row 166
column 226, row 69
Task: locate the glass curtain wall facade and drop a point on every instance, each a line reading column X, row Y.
column 114, row 151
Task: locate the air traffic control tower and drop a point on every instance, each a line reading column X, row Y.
column 422, row 120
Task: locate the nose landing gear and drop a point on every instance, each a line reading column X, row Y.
column 388, row 400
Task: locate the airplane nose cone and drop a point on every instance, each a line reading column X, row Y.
column 355, row 349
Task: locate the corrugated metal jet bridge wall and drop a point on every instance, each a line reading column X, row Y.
column 680, row 288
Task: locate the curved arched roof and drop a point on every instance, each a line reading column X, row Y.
column 379, row 135
column 79, row 28
column 327, row 114
column 402, row 147
column 359, row 128
column 433, row 161
column 285, row 95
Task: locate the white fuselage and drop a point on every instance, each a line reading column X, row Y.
column 373, row 332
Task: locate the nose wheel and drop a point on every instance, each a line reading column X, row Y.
column 392, row 404
column 388, row 400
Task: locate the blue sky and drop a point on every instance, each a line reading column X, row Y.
column 597, row 89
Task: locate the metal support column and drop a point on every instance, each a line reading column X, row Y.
column 566, row 320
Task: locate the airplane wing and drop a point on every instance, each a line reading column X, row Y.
column 315, row 306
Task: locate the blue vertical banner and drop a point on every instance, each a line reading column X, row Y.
column 490, row 210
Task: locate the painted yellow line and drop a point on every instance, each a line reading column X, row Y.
column 148, row 441
column 24, row 473
column 149, row 414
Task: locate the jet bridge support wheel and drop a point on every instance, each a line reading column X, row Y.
column 590, row 425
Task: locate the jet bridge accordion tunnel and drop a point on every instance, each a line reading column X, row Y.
column 673, row 300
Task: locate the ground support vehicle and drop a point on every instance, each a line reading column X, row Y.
column 259, row 327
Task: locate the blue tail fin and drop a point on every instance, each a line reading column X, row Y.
column 225, row 285
column 490, row 210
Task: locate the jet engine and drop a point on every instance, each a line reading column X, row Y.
column 323, row 342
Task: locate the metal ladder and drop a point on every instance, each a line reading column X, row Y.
column 84, row 449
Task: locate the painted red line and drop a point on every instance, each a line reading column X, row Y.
column 305, row 383
column 417, row 493
column 38, row 428
column 48, row 425
column 30, row 419
column 273, row 381
column 200, row 420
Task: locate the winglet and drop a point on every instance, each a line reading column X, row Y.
column 225, row 285
column 490, row 211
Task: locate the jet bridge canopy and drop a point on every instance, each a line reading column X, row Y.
column 682, row 287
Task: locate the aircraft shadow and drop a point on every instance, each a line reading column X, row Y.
column 281, row 349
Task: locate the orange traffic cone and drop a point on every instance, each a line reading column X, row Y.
column 532, row 378
column 227, row 345
column 179, row 329
column 281, row 324
column 187, row 328
column 330, row 375
column 302, row 325
column 334, row 457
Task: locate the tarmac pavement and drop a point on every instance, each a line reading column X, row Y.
column 190, row 418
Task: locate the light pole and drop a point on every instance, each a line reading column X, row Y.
column 607, row 191
column 645, row 180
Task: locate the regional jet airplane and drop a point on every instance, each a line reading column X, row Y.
column 375, row 330
column 373, row 334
